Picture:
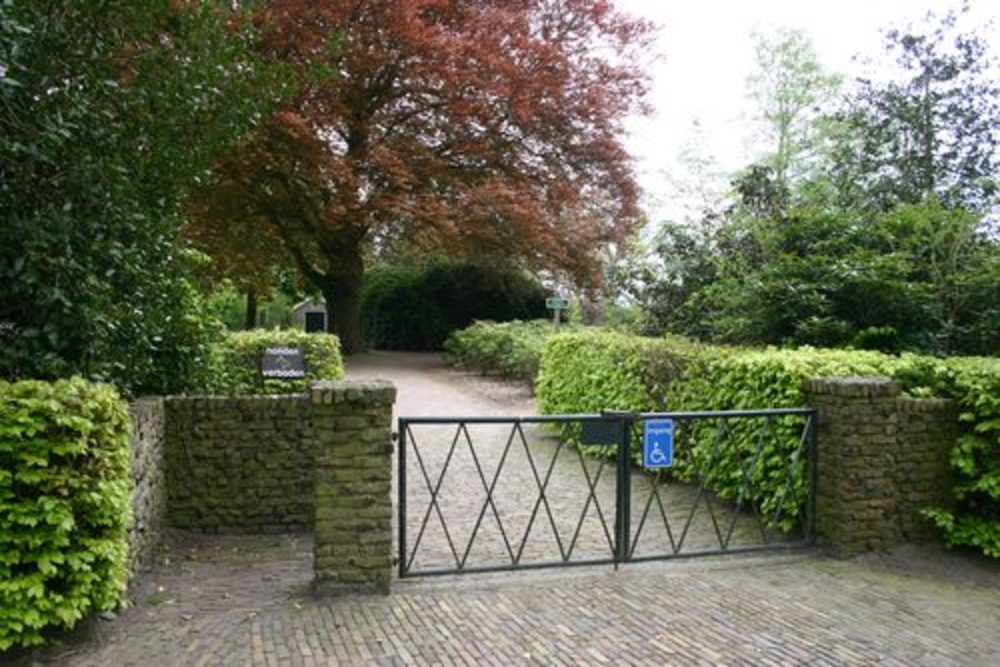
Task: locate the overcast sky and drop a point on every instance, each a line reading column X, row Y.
column 706, row 54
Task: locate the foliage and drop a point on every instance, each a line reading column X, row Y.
column 919, row 278
column 591, row 370
column 933, row 130
column 65, row 480
column 410, row 308
column 791, row 90
column 974, row 520
column 240, row 352
column 109, row 111
column 586, row 371
column 477, row 130
column 513, row 349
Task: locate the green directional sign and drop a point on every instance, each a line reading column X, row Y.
column 557, row 303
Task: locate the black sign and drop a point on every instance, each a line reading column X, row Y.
column 603, row 432
column 283, row 362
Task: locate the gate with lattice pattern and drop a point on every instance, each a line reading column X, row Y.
column 481, row 494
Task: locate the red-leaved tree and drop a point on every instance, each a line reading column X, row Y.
column 477, row 127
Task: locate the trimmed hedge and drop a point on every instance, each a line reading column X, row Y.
column 594, row 369
column 513, row 349
column 239, row 361
column 407, row 308
column 587, row 371
column 65, row 484
column 975, row 383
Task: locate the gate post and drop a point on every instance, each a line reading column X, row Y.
column 353, row 523
column 855, row 493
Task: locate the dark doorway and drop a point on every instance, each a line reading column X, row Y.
column 315, row 322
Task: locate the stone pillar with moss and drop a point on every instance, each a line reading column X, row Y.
column 352, row 423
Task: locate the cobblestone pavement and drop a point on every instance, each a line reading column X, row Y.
column 566, row 523
column 244, row 600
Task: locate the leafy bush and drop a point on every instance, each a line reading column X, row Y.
column 590, row 370
column 718, row 379
column 110, row 111
column 975, row 521
column 594, row 369
column 407, row 308
column 240, row 353
column 513, row 349
column 65, row 480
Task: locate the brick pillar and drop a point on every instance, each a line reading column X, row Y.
column 927, row 430
column 855, row 495
column 353, row 528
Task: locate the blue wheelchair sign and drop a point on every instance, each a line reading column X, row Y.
column 658, row 444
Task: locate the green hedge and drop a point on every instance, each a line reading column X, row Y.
column 594, row 369
column 408, row 308
column 239, row 361
column 513, row 349
column 590, row 370
column 975, row 383
column 65, row 483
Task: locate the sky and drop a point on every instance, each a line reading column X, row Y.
column 704, row 55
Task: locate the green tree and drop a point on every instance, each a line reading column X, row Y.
column 933, row 130
column 109, row 111
column 792, row 93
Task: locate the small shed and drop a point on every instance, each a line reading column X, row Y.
column 310, row 316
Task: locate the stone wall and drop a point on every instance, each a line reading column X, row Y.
column 882, row 458
column 353, row 531
column 927, row 429
column 149, row 493
column 238, row 464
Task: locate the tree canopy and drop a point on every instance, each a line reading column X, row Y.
column 110, row 111
column 486, row 129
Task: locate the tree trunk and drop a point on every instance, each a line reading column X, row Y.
column 342, row 291
column 251, row 312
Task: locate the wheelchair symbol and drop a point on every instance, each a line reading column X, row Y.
column 656, row 456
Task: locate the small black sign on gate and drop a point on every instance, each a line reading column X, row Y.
column 283, row 363
column 607, row 431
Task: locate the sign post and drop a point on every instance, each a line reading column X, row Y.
column 658, row 444
column 556, row 304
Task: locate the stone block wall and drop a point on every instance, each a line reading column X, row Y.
column 238, row 464
column 353, row 531
column 882, row 458
column 927, row 429
column 149, row 497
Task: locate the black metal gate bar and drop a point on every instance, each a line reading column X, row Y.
column 622, row 547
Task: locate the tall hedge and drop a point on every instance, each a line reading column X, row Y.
column 590, row 370
column 240, row 352
column 65, row 482
column 594, row 369
column 409, row 308
column 975, row 459
column 513, row 349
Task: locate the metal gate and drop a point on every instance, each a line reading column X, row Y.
column 482, row 494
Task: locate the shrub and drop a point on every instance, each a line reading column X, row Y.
column 587, row 371
column 407, row 308
column 591, row 371
column 240, row 353
column 65, row 481
column 594, row 369
column 513, row 349
column 975, row 458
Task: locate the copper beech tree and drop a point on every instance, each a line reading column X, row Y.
column 489, row 129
